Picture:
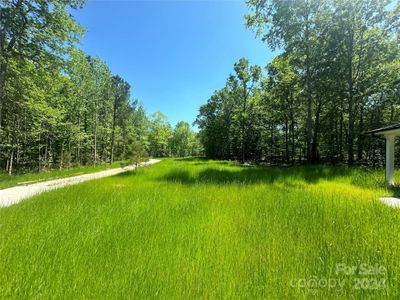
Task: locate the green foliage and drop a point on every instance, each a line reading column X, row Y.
column 137, row 153
column 160, row 135
column 335, row 78
column 184, row 141
column 226, row 122
column 59, row 107
column 178, row 142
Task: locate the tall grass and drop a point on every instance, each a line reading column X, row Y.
column 194, row 228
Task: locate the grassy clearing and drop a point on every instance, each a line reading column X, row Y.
column 202, row 229
column 7, row 181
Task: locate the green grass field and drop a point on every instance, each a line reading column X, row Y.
column 193, row 228
column 7, row 181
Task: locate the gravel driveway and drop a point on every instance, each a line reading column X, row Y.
column 16, row 194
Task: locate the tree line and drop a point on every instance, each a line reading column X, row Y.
column 60, row 107
column 337, row 75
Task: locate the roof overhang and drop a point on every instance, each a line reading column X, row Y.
column 392, row 130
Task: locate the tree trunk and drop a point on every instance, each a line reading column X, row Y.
column 79, row 141
column 243, row 122
column 272, row 142
column 3, row 71
column 292, row 120
column 309, row 95
column 293, row 142
column 95, row 117
column 69, row 153
column 124, row 151
column 286, row 141
column 350, row 99
column 113, row 132
column 62, row 156
column 95, row 138
column 315, row 155
column 45, row 154
column 11, row 162
column 84, row 156
column 340, row 150
column 360, row 138
column 39, row 157
column 3, row 68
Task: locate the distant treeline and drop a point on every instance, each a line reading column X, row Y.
column 60, row 107
column 337, row 76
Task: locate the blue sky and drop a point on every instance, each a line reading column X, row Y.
column 174, row 54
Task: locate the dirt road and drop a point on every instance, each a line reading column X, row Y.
column 16, row 194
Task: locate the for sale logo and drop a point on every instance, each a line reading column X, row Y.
column 364, row 276
column 357, row 277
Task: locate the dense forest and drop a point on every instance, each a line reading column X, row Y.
column 60, row 107
column 337, row 75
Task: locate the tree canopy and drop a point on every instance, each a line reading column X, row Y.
column 337, row 75
column 60, row 107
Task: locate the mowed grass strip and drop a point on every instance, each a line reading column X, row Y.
column 194, row 228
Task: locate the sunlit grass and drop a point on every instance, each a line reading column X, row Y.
column 28, row 178
column 194, row 228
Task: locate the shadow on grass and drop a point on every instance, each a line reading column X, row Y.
column 254, row 175
column 192, row 158
column 205, row 162
column 395, row 191
column 198, row 161
column 130, row 173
